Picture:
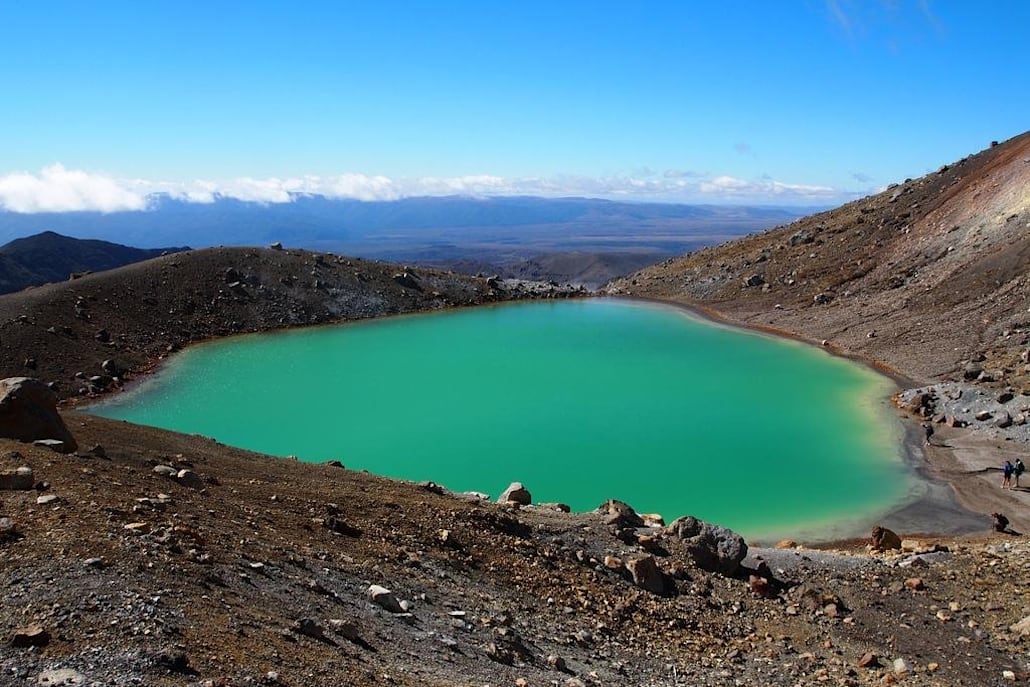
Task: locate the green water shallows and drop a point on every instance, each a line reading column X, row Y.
column 579, row 400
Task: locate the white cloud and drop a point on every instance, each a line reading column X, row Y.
column 56, row 189
column 732, row 188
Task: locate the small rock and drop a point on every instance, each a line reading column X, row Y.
column 19, row 479
column 345, row 628
column 1022, row 627
column 869, row 660
column 619, row 514
column 94, row 562
column 983, row 415
column 32, row 635
column 46, row 499
column 383, row 597
column 901, row 666
column 557, row 663
column 341, row 526
column 516, row 493
column 63, row 677
column 647, row 575
column 165, row 471
column 309, row 628
column 500, row 654
column 916, row 584
column 188, row 478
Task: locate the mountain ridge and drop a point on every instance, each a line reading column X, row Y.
column 52, row 257
column 886, row 277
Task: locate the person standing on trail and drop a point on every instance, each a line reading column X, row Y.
column 1007, row 469
column 1018, row 470
column 928, row 431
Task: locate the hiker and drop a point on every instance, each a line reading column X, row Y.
column 1007, row 469
column 928, row 430
column 1018, row 470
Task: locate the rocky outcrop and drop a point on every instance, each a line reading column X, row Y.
column 711, row 547
column 28, row 412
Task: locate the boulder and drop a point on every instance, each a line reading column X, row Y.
column 619, row 514
column 407, row 280
column 883, row 539
column 32, row 635
column 188, row 478
column 28, row 411
column 754, row 280
column 647, row 575
column 384, row 598
column 712, row 548
column 516, row 493
column 1001, row 523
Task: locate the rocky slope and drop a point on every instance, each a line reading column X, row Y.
column 132, row 316
column 155, row 558
column 929, row 277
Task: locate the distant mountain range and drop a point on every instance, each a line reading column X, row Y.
column 380, row 227
column 51, row 257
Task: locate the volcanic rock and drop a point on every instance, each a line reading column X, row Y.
column 28, row 411
column 712, row 547
column 883, row 539
column 516, row 493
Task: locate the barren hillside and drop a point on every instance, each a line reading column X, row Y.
column 926, row 277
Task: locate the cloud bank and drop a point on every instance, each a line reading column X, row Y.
column 56, row 189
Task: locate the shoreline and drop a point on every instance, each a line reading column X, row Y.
column 948, row 505
column 938, row 510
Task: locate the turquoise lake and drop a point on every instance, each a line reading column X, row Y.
column 580, row 400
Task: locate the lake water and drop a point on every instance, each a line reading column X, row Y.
column 580, row 400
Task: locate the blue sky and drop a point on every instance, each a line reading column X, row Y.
column 794, row 102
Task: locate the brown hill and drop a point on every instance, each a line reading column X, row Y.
column 50, row 257
column 926, row 276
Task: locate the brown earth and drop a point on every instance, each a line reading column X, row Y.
column 250, row 570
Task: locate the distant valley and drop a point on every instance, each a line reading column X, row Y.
column 580, row 240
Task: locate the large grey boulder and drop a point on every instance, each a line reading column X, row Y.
column 28, row 412
column 712, row 548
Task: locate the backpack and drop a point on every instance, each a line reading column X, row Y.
column 1019, row 467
